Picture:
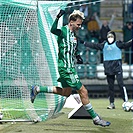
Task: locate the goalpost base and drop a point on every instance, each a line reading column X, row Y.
column 17, row 120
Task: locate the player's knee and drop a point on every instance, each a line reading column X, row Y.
column 83, row 91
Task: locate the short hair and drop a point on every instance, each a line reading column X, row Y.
column 75, row 15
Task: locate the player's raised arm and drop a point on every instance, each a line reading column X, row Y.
column 98, row 46
column 54, row 29
column 124, row 45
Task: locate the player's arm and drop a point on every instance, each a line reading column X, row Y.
column 123, row 45
column 54, row 29
column 98, row 20
column 77, row 55
column 97, row 46
column 111, row 21
column 79, row 59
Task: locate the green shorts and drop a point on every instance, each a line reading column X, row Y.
column 69, row 78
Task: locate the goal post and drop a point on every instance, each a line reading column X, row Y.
column 28, row 56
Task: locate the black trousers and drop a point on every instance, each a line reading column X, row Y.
column 111, row 80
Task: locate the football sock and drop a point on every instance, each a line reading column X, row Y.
column 46, row 89
column 112, row 104
column 90, row 110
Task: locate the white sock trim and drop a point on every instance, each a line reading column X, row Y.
column 96, row 118
column 88, row 106
column 37, row 88
column 50, row 89
column 125, row 94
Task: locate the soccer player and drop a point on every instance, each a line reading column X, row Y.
column 67, row 43
column 112, row 60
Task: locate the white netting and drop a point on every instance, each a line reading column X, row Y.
column 28, row 54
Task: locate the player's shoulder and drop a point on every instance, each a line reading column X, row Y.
column 103, row 43
column 119, row 44
column 64, row 30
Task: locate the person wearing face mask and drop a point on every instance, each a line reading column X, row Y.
column 112, row 61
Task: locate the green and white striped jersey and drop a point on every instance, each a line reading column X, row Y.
column 67, row 46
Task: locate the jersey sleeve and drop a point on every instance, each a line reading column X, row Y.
column 54, row 29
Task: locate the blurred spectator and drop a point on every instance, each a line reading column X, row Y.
column 93, row 28
column 104, row 26
column 128, row 34
column 69, row 9
column 130, row 9
column 85, row 9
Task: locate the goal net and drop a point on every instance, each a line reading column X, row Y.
column 28, row 56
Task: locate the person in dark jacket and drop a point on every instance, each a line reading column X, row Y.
column 128, row 34
column 112, row 61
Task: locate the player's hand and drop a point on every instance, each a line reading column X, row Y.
column 79, row 59
column 60, row 13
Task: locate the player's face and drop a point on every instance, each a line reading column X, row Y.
column 76, row 24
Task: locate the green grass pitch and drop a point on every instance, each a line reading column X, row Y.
column 121, row 122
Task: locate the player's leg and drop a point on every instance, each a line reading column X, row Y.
column 74, row 81
column 119, row 78
column 85, row 100
column 111, row 80
column 37, row 89
column 47, row 89
column 64, row 79
column 82, row 91
column 87, row 105
column 71, row 79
